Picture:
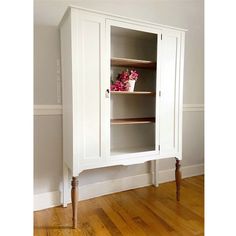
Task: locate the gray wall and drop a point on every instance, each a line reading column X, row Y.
column 48, row 129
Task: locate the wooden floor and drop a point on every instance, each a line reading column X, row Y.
column 143, row 211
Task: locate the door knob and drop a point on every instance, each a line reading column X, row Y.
column 107, row 93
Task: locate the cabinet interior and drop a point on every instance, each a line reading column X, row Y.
column 133, row 114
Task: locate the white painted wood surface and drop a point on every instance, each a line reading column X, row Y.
column 67, row 88
column 170, row 94
column 66, row 191
column 90, row 52
column 86, row 105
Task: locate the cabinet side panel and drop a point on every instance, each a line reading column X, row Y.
column 91, row 88
column 66, row 64
column 169, row 90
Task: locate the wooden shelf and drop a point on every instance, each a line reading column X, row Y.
column 131, row 150
column 122, row 62
column 131, row 121
column 132, row 93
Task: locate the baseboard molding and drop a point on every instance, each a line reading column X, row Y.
column 187, row 171
column 44, row 110
column 46, row 200
column 113, row 186
column 51, row 199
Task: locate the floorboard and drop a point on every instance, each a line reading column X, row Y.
column 145, row 211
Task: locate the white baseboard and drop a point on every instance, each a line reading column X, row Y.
column 51, row 199
column 46, row 200
column 115, row 185
column 187, row 171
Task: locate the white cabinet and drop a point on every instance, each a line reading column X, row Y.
column 102, row 127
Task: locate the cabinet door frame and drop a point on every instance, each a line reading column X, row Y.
column 176, row 149
column 139, row 27
column 79, row 103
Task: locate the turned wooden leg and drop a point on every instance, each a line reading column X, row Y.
column 74, row 199
column 177, row 178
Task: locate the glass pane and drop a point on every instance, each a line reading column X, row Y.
column 133, row 63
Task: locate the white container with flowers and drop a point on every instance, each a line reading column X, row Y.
column 130, row 85
column 125, row 81
column 132, row 79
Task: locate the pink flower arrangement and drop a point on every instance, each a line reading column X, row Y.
column 133, row 75
column 118, row 86
column 121, row 83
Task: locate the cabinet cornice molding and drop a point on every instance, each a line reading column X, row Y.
column 119, row 17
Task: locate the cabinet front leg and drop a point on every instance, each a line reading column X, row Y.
column 177, row 178
column 74, row 199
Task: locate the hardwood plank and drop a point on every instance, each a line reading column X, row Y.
column 98, row 226
column 167, row 208
column 87, row 229
column 170, row 218
column 65, row 221
column 122, row 212
column 195, row 203
column 126, row 62
column 137, row 209
column 115, row 217
column 114, row 231
column 145, row 211
column 39, row 225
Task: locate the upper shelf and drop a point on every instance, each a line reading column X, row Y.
column 115, row 61
column 132, row 93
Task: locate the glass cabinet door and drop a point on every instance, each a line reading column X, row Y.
column 133, row 88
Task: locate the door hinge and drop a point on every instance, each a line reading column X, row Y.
column 159, row 93
column 161, row 36
column 159, row 147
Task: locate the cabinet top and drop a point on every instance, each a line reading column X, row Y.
column 114, row 16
